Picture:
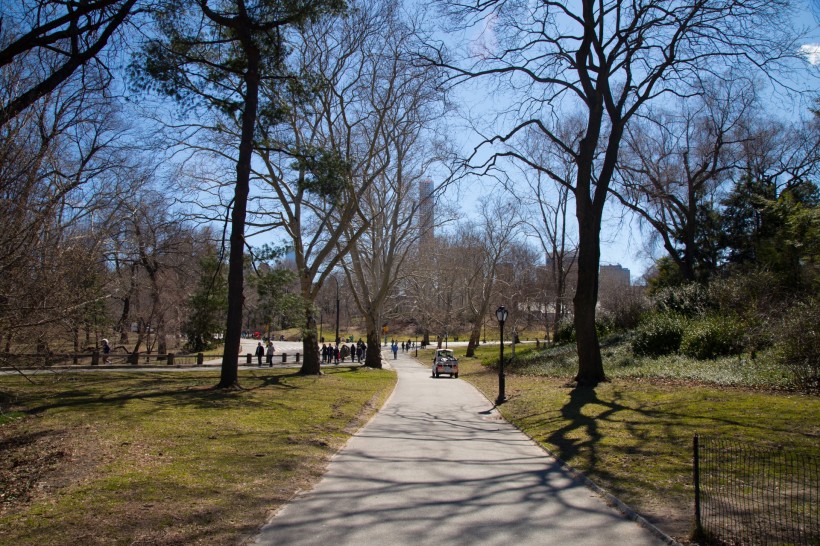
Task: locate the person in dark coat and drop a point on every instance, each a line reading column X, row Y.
column 260, row 352
column 106, row 352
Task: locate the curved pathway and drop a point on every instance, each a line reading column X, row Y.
column 437, row 465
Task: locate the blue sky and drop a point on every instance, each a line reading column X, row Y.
column 622, row 239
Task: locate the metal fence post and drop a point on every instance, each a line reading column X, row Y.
column 698, row 523
column 200, row 359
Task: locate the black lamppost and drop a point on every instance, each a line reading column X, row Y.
column 501, row 315
column 337, row 315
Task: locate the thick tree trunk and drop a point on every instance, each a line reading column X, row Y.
column 475, row 338
column 373, row 358
column 590, row 365
column 140, row 336
column 310, row 347
column 311, row 365
column 374, row 352
column 229, row 377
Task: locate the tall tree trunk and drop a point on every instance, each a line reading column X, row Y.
column 590, row 365
column 123, row 324
column 310, row 348
column 310, row 363
column 374, row 352
column 229, row 377
column 373, row 358
column 475, row 338
column 158, row 312
column 140, row 335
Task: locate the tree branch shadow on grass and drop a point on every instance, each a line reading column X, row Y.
column 153, row 389
column 566, row 440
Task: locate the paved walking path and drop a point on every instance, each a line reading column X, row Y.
column 437, row 465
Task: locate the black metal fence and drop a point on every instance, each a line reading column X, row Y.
column 750, row 495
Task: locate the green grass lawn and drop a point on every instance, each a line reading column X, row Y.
column 161, row 458
column 633, row 435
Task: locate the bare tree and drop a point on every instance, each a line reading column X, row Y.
column 500, row 224
column 60, row 161
column 675, row 162
column 549, row 200
column 378, row 260
column 219, row 54
column 351, row 147
column 43, row 43
column 607, row 60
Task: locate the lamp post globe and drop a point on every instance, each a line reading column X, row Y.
column 501, row 315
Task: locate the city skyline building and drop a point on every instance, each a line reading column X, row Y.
column 426, row 211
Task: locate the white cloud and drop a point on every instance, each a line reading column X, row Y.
column 811, row 52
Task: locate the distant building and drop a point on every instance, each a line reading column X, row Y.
column 426, row 211
column 610, row 274
column 614, row 275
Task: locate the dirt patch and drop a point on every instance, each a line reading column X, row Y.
column 668, row 518
column 38, row 461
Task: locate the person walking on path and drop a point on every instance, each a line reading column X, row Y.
column 106, row 352
column 439, row 465
column 395, row 349
column 269, row 353
column 260, row 352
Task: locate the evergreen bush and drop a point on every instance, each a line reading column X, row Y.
column 799, row 344
column 688, row 300
column 712, row 336
column 565, row 333
column 658, row 334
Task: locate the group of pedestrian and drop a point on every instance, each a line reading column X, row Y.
column 267, row 351
column 405, row 347
column 356, row 352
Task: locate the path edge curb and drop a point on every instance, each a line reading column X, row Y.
column 621, row 506
column 611, row 499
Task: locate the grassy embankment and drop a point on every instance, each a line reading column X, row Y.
column 120, row 458
column 633, row 435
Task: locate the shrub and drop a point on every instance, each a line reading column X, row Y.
column 624, row 305
column 565, row 333
column 658, row 334
column 688, row 300
column 746, row 294
column 799, row 343
column 713, row 336
column 566, row 329
column 604, row 325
